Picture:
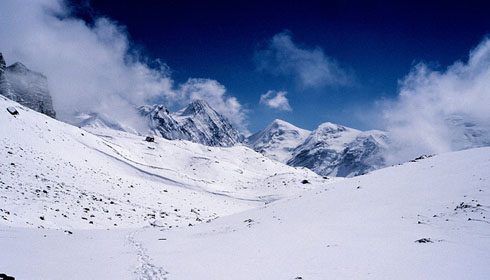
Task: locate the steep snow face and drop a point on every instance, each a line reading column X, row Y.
column 27, row 87
column 364, row 154
column 54, row 175
column 340, row 151
column 198, row 123
column 278, row 140
column 96, row 121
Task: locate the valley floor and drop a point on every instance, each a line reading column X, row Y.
column 421, row 220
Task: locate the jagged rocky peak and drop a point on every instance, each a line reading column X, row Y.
column 206, row 125
column 161, row 123
column 197, row 107
column 27, row 87
column 198, row 122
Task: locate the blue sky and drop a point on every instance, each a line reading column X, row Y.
column 357, row 51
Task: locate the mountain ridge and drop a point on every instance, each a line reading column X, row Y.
column 329, row 150
column 198, row 122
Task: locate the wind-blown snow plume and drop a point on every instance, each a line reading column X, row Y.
column 276, row 100
column 439, row 111
column 90, row 67
column 310, row 67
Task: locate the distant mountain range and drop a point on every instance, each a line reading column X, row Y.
column 329, row 150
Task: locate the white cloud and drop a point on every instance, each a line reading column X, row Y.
column 214, row 94
column 90, row 67
column 311, row 67
column 439, row 111
column 276, row 100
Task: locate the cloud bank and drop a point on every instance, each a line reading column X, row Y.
column 311, row 68
column 440, row 111
column 92, row 67
column 276, row 100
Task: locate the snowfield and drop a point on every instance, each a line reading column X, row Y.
column 107, row 205
column 54, row 175
column 427, row 219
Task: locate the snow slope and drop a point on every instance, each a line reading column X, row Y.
column 365, row 227
column 54, row 175
column 426, row 219
column 278, row 140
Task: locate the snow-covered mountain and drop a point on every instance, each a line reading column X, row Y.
column 198, row 122
column 96, row 122
column 74, row 205
column 27, row 87
column 278, row 140
column 341, row 151
column 331, row 149
column 54, row 175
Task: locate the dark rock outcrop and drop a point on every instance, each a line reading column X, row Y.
column 27, row 87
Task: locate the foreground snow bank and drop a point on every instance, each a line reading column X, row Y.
column 368, row 227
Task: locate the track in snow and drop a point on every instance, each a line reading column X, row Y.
column 145, row 269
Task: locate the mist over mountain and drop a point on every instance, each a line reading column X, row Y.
column 27, row 87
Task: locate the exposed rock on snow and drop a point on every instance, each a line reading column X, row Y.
column 12, row 110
